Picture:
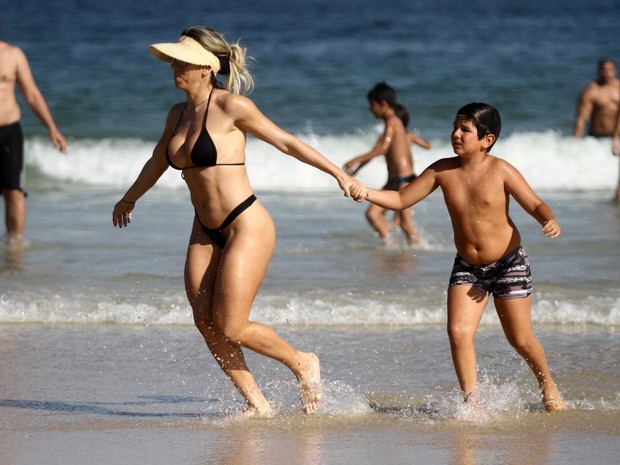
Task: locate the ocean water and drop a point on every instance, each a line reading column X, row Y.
column 98, row 351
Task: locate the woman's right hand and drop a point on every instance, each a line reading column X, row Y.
column 121, row 215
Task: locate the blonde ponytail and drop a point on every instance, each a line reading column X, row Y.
column 232, row 58
column 239, row 79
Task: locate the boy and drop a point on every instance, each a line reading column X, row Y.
column 490, row 259
column 394, row 144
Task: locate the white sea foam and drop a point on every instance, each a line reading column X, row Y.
column 284, row 311
column 548, row 160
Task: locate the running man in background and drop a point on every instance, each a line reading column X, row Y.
column 490, row 259
column 599, row 103
column 395, row 145
column 615, row 149
column 15, row 70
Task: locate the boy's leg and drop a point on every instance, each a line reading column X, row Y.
column 406, row 224
column 465, row 309
column 515, row 317
column 376, row 217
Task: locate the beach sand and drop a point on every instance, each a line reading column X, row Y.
column 131, row 394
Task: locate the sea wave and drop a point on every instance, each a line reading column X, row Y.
column 548, row 160
column 297, row 310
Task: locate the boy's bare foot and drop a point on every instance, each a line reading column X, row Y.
column 310, row 385
column 413, row 240
column 552, row 399
column 388, row 242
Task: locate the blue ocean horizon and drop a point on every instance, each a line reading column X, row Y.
column 314, row 63
column 101, row 362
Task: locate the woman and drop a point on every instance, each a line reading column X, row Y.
column 233, row 236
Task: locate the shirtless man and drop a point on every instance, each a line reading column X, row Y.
column 615, row 149
column 14, row 69
column 395, row 145
column 599, row 103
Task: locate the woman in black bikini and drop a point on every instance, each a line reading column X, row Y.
column 233, row 236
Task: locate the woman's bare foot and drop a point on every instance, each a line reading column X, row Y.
column 256, row 412
column 310, row 385
column 472, row 398
column 552, row 399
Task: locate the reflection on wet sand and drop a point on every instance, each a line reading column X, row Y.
column 257, row 444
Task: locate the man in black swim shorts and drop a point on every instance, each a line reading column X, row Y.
column 15, row 70
column 11, row 156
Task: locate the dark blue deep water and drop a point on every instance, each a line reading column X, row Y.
column 315, row 60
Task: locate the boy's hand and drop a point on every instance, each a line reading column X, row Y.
column 351, row 167
column 551, row 229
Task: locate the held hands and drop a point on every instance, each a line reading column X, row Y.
column 353, row 188
column 358, row 191
column 121, row 216
column 551, row 229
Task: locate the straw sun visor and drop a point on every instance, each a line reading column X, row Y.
column 187, row 50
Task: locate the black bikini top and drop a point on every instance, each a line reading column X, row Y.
column 204, row 153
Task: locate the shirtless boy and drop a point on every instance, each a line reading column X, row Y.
column 14, row 69
column 490, row 259
column 599, row 103
column 395, row 145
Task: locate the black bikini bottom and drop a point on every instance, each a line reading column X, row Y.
column 217, row 234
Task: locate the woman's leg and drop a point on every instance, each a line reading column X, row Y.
column 200, row 276
column 515, row 316
column 465, row 308
column 242, row 267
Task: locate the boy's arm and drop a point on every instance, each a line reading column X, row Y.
column 544, row 215
column 415, row 139
column 520, row 190
column 382, row 146
column 409, row 195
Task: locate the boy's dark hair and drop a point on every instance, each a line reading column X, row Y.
column 485, row 117
column 383, row 92
column 402, row 112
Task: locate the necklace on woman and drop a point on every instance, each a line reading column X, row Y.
column 197, row 105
